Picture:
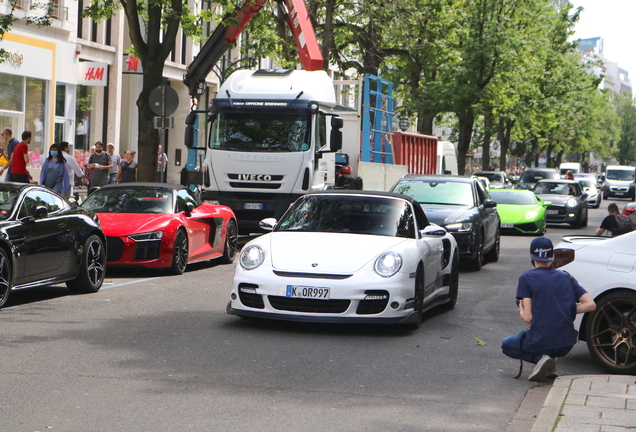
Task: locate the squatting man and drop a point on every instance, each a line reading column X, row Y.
column 549, row 300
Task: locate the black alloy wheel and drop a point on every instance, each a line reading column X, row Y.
column 92, row 268
column 418, row 300
column 611, row 332
column 231, row 243
column 478, row 261
column 493, row 253
column 5, row 277
column 453, row 287
column 179, row 253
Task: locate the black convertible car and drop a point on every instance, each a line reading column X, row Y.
column 45, row 240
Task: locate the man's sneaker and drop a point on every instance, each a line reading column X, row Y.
column 553, row 373
column 543, row 367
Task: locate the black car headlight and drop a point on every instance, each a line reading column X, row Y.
column 459, row 227
column 149, row 236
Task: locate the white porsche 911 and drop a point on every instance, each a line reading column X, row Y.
column 606, row 268
column 343, row 257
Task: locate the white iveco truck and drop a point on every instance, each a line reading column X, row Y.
column 270, row 135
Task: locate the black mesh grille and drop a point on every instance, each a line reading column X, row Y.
column 374, row 305
column 147, row 250
column 308, row 305
column 250, row 299
column 115, row 247
column 528, row 227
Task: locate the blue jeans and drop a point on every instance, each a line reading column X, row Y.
column 111, row 178
column 515, row 347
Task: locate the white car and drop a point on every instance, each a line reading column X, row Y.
column 606, row 268
column 347, row 257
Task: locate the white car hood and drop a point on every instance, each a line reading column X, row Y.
column 334, row 253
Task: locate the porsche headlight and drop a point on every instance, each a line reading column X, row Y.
column 572, row 202
column 149, row 236
column 388, row 264
column 461, row 226
column 531, row 214
column 251, row 257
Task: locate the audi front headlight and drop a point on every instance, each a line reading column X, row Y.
column 572, row 202
column 388, row 264
column 461, row 226
column 149, row 236
column 251, row 257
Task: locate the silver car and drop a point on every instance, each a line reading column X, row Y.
column 588, row 183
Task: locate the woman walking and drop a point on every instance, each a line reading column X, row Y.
column 54, row 174
column 127, row 169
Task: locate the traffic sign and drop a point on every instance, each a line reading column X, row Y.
column 163, row 100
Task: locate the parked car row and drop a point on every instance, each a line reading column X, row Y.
column 45, row 239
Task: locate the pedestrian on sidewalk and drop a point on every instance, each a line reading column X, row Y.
column 54, row 174
column 100, row 162
column 72, row 166
column 549, row 300
column 20, row 159
column 128, row 168
column 12, row 142
column 112, row 173
column 162, row 164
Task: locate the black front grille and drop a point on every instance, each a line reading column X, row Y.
column 527, row 227
column 312, row 275
column 375, row 305
column 561, row 211
column 255, row 185
column 115, row 247
column 147, row 250
column 309, row 305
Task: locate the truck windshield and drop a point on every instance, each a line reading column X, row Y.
column 271, row 132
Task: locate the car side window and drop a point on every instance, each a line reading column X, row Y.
column 184, row 196
column 38, row 198
column 406, row 224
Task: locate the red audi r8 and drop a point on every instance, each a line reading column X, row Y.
column 162, row 225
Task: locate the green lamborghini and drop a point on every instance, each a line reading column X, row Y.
column 520, row 211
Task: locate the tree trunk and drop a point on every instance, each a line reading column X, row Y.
column 548, row 155
column 466, row 122
column 148, row 135
column 505, row 143
column 485, row 144
column 425, row 119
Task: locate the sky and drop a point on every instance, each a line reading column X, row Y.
column 613, row 20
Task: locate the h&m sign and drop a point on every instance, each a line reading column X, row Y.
column 93, row 74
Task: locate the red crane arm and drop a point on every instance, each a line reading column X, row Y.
column 298, row 21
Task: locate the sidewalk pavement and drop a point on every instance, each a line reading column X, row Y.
column 580, row 403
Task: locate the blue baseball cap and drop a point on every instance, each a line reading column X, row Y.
column 541, row 249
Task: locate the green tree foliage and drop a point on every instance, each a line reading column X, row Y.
column 626, row 110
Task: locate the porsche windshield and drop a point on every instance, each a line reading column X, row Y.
column 260, row 132
column 130, row 200
column 350, row 214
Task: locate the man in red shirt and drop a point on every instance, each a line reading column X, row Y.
column 20, row 159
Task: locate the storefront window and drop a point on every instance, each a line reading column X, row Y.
column 12, row 92
column 60, row 99
column 34, row 114
column 86, row 99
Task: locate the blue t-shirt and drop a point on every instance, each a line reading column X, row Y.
column 554, row 295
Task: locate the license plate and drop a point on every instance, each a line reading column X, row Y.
column 296, row 291
column 253, row 206
column 619, row 193
column 507, row 225
column 552, row 212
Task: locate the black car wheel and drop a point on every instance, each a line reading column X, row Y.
column 478, row 261
column 180, row 253
column 5, row 277
column 231, row 240
column 584, row 221
column 493, row 253
column 92, row 268
column 611, row 332
column 418, row 300
column 453, row 287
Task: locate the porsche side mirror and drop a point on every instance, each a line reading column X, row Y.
column 267, row 224
column 433, row 231
column 189, row 208
column 40, row 212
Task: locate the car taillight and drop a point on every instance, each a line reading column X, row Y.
column 629, row 210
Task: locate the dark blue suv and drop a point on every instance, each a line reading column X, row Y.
column 463, row 207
